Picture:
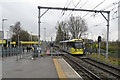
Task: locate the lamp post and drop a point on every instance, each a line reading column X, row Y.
column 45, row 34
column 91, row 42
column 11, row 34
column 7, row 37
column 44, row 40
column 18, row 40
column 91, row 35
column 3, row 32
column 31, row 38
column 17, row 48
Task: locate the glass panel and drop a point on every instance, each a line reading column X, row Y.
column 78, row 45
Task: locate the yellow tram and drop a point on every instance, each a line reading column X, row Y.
column 74, row 46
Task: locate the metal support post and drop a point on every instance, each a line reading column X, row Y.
column 91, row 49
column 7, row 52
column 18, row 41
column 99, row 51
column 108, row 13
column 11, row 49
column 17, row 56
column 51, row 51
column 10, row 40
column 107, row 36
column 31, row 38
column 10, row 44
column 45, row 34
column 3, row 35
column 39, row 28
column 51, row 47
column 20, row 52
column 17, row 49
column 51, row 39
column 45, row 39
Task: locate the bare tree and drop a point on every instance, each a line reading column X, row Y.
column 62, row 31
column 76, row 26
column 59, row 36
column 16, row 28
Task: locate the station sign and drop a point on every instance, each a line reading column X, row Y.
column 28, row 42
column 12, row 42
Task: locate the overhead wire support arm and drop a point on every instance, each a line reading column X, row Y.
column 72, row 9
column 104, row 15
column 44, row 13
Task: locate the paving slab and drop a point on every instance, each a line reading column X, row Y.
column 42, row 67
column 68, row 70
column 0, row 68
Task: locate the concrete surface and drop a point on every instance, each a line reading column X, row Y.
column 0, row 68
column 68, row 70
column 60, row 71
column 42, row 67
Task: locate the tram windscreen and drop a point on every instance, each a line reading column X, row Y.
column 78, row 45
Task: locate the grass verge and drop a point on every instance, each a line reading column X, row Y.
column 111, row 60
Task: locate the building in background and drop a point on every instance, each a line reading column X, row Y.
column 1, row 35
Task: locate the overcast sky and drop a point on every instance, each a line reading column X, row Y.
column 26, row 12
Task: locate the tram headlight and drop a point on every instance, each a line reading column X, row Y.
column 76, row 50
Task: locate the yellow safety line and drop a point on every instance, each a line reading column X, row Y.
column 60, row 72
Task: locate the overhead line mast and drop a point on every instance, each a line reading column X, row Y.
column 85, row 10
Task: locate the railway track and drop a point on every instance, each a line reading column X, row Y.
column 106, row 68
column 84, row 72
column 93, row 70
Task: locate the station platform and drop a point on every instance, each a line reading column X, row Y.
column 45, row 67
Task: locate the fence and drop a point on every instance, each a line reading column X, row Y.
column 11, row 51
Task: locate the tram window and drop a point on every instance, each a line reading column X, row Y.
column 78, row 45
column 71, row 44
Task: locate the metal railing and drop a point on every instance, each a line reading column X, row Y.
column 11, row 51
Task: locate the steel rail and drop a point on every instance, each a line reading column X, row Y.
column 91, row 75
column 100, row 67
